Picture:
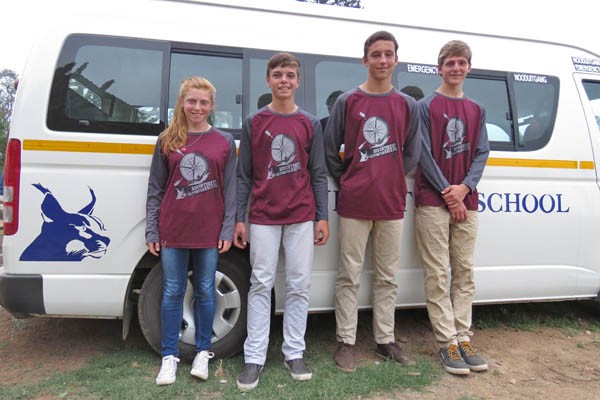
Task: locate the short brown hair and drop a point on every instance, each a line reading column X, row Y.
column 283, row 59
column 454, row 48
column 379, row 35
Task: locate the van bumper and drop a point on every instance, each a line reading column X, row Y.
column 21, row 295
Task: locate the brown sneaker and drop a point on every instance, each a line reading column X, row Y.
column 391, row 351
column 344, row 359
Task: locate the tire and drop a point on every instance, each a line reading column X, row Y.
column 232, row 283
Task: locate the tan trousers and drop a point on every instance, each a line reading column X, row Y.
column 442, row 243
column 385, row 249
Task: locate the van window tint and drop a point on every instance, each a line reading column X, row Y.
column 420, row 80
column 417, row 80
column 536, row 100
column 260, row 94
column 93, row 93
column 224, row 73
column 592, row 89
column 493, row 96
column 330, row 83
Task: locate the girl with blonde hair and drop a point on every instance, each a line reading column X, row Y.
column 190, row 213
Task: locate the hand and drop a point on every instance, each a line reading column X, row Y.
column 455, row 194
column 458, row 212
column 321, row 232
column 154, row 248
column 224, row 246
column 239, row 235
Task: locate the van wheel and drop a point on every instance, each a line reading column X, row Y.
column 232, row 283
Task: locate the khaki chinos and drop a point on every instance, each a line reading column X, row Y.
column 385, row 241
column 442, row 243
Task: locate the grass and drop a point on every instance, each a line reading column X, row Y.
column 571, row 317
column 127, row 371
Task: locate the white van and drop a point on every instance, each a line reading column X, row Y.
column 97, row 91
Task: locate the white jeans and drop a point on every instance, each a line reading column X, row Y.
column 298, row 246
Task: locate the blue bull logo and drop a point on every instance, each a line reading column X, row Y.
column 66, row 236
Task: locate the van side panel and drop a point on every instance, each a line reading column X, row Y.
column 539, row 207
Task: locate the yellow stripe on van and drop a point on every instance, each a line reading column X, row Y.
column 586, row 164
column 88, row 147
column 136, row 148
column 528, row 163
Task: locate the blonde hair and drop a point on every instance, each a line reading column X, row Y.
column 175, row 135
column 454, row 48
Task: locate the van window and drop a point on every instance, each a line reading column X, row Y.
column 592, row 89
column 93, row 93
column 260, row 94
column 488, row 89
column 417, row 80
column 225, row 73
column 536, row 99
column 330, row 83
column 492, row 94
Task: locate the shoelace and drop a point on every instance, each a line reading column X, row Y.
column 207, row 356
column 466, row 346
column 169, row 365
column 453, row 352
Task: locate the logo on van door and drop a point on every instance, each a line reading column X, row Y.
column 66, row 236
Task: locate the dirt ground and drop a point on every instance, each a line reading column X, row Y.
column 545, row 364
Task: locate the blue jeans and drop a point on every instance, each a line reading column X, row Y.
column 175, row 277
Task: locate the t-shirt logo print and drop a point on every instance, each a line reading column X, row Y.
column 194, row 169
column 283, row 155
column 455, row 131
column 376, row 132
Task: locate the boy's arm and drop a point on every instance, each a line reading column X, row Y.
column 318, row 173
column 334, row 137
column 412, row 144
column 426, row 162
column 244, row 171
column 481, row 155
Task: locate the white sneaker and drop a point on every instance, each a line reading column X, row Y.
column 168, row 371
column 200, row 364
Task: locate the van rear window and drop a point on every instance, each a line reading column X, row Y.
column 108, row 85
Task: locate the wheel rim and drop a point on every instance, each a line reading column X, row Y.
column 228, row 306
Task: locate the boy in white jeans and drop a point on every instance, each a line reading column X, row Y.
column 282, row 169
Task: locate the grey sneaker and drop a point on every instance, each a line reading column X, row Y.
column 200, row 364
column 298, row 369
column 248, row 378
column 473, row 360
column 452, row 361
column 168, row 371
column 344, row 359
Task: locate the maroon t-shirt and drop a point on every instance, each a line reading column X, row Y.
column 281, row 164
column 191, row 186
column 454, row 131
column 380, row 146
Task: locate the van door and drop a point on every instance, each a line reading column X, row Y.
column 589, row 93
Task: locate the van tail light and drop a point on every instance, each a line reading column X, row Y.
column 12, row 177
